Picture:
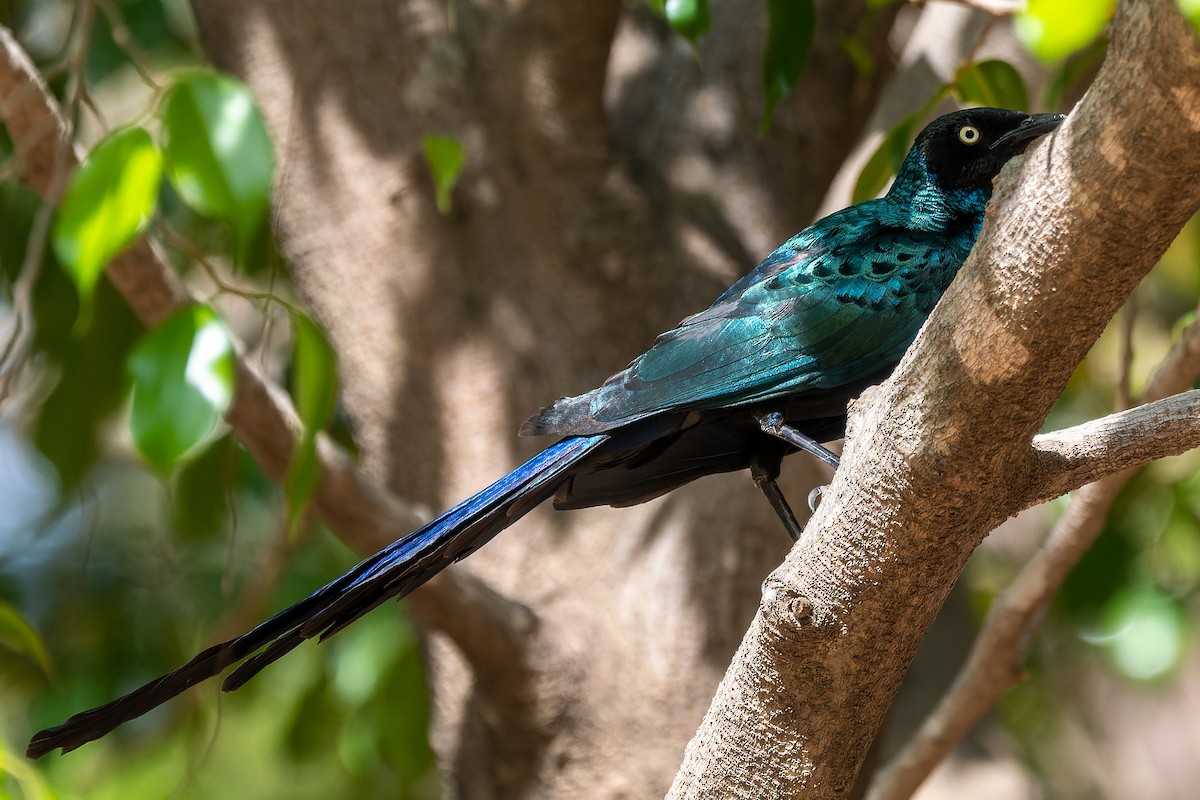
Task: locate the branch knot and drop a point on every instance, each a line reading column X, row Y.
column 784, row 606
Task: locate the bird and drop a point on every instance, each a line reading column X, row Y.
column 766, row 371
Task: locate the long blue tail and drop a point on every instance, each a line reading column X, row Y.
column 392, row 572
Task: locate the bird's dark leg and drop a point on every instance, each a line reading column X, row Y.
column 765, row 481
column 773, row 424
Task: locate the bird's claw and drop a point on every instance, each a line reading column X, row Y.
column 814, row 498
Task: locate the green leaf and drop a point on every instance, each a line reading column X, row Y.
column 19, row 636
column 18, row 207
column 887, row 158
column 92, row 387
column 1053, row 29
column 304, row 474
column 1191, row 12
column 314, row 387
column 405, row 737
column 182, row 383
column 218, row 152
column 314, row 373
column 860, row 56
column 992, row 83
column 202, row 488
column 108, row 201
column 688, row 18
column 791, row 24
column 444, row 155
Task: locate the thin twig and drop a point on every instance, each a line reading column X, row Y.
column 16, row 349
column 1125, row 369
column 261, row 300
column 125, row 40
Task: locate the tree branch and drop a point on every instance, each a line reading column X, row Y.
column 260, row 415
column 474, row 612
column 996, row 659
column 938, row 455
column 1067, row 459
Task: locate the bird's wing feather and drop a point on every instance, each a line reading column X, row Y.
column 811, row 316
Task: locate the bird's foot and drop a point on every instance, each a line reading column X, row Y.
column 773, row 423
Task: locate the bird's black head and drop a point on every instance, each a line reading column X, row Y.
column 965, row 150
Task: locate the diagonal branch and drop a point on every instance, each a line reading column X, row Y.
column 938, row 455
column 996, row 659
column 261, row 415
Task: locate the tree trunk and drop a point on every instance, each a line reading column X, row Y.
column 613, row 184
column 946, row 449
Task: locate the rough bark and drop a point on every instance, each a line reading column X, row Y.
column 613, row 185
column 943, row 451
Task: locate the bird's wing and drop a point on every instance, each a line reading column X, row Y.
column 807, row 318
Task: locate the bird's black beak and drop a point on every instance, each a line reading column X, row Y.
column 1032, row 127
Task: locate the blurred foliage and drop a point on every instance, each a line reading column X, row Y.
column 109, row 200
column 1191, row 10
column 182, row 384
column 6, row 147
column 688, row 18
column 314, row 385
column 19, row 637
column 217, row 152
column 791, row 25
column 155, row 559
column 151, row 563
column 1054, row 29
column 991, row 83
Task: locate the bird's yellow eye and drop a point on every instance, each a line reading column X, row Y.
column 968, row 134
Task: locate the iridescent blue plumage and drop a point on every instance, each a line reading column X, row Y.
column 831, row 306
column 781, row 351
